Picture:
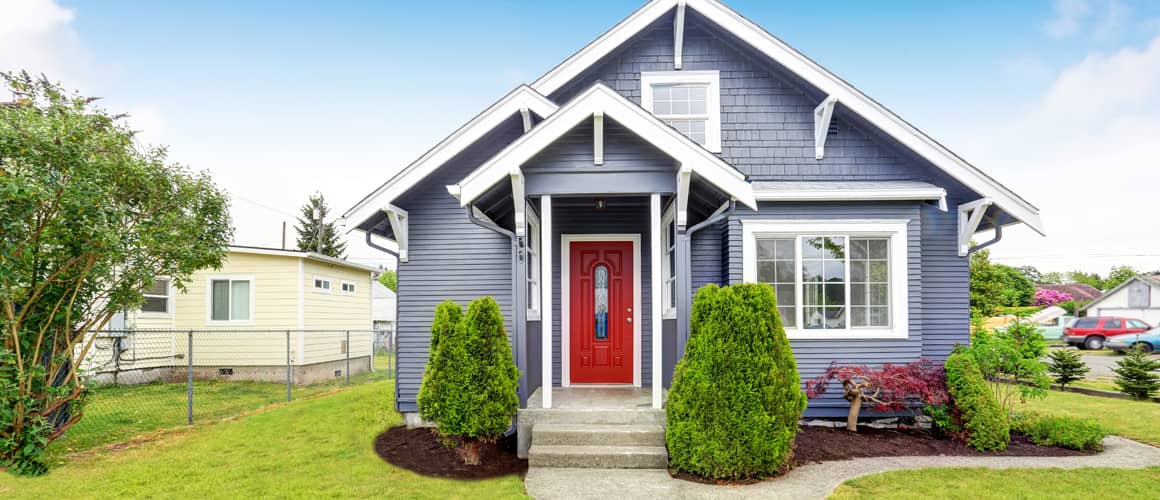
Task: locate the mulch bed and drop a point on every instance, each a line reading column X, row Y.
column 419, row 451
column 821, row 444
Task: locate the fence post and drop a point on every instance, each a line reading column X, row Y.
column 189, row 382
column 289, row 368
column 347, row 357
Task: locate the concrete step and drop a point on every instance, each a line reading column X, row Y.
column 598, row 457
column 609, row 416
column 598, row 435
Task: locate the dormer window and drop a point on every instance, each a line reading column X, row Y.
column 689, row 101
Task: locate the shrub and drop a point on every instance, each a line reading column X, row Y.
column 892, row 387
column 1011, row 362
column 1136, row 374
column 1046, row 297
column 736, row 398
column 983, row 419
column 472, row 393
column 1066, row 366
column 1083, row 434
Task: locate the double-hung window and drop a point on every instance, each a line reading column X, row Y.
column 157, row 297
column 532, row 241
column 689, row 101
column 832, row 279
column 669, row 263
column 231, row 299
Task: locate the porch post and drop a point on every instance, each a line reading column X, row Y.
column 657, row 292
column 546, row 310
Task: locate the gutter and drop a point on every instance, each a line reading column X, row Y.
column 992, row 241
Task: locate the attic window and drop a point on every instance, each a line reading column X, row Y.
column 689, row 101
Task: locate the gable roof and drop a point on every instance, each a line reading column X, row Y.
column 1153, row 280
column 601, row 99
column 814, row 74
column 326, row 259
column 1078, row 291
column 523, row 97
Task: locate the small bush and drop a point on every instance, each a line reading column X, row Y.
column 1136, row 374
column 736, row 398
column 440, row 374
column 1084, row 434
column 983, row 419
column 889, row 388
column 1066, row 366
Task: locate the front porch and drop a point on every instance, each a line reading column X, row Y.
column 593, row 427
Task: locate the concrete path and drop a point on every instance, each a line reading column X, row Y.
column 810, row 481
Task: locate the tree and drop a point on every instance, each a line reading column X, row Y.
column 1018, row 290
column 1136, row 374
column 1032, row 274
column 441, row 372
column 89, row 220
column 1066, row 366
column 1090, row 279
column 389, row 279
column 986, row 285
column 314, row 233
column 892, row 387
column 977, row 412
column 1011, row 362
column 1118, row 275
column 1051, row 278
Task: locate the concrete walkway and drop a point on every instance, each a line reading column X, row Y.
column 810, row 481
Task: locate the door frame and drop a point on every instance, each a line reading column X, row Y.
column 565, row 302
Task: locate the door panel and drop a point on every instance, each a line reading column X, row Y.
column 601, row 315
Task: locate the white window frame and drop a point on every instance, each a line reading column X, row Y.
column 329, row 289
column 895, row 230
column 668, row 273
column 649, row 79
column 353, row 287
column 209, row 299
column 532, row 250
column 168, row 301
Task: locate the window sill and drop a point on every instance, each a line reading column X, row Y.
column 142, row 314
column 533, row 316
column 857, row 334
column 669, row 314
column 248, row 322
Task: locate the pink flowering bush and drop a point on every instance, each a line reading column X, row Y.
column 1044, row 297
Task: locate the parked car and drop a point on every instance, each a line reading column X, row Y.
column 1148, row 341
column 1092, row 332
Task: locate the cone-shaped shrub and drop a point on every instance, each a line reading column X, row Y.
column 736, row 398
column 441, row 367
column 983, row 419
column 1136, row 374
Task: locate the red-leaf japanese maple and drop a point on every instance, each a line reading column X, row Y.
column 891, row 387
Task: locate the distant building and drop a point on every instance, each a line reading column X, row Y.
column 1138, row 298
column 1079, row 292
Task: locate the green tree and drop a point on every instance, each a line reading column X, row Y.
column 1051, row 278
column 88, row 220
column 977, row 410
column 1136, row 374
column 1066, row 366
column 1091, row 279
column 1118, row 275
column 986, row 284
column 1032, row 274
column 389, row 279
column 441, row 372
column 314, row 233
column 736, row 397
column 1018, row 290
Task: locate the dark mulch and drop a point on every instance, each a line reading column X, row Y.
column 821, row 444
column 419, row 450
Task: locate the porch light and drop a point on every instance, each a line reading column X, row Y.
column 601, row 203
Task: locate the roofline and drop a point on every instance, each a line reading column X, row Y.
column 1116, row 289
column 301, row 255
column 912, row 193
column 813, row 73
column 522, row 97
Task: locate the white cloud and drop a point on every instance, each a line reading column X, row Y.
column 1067, row 15
column 37, row 36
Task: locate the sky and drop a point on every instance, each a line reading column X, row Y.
column 1058, row 100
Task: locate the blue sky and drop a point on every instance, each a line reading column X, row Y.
column 279, row 100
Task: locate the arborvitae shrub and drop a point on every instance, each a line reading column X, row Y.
column 736, row 397
column 1085, row 434
column 982, row 417
column 441, row 366
column 1066, row 366
column 1136, row 374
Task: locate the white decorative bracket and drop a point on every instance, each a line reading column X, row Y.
column 970, row 216
column 400, row 225
column 822, row 115
column 598, row 138
column 520, row 203
column 527, row 116
column 684, row 176
column 678, row 34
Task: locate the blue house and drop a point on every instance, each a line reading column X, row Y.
column 685, row 146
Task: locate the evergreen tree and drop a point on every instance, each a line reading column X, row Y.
column 389, row 279
column 442, row 368
column 1136, row 374
column 314, row 233
column 1066, row 366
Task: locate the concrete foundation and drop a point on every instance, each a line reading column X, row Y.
column 299, row 375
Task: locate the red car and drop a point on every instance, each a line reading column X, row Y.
column 1090, row 333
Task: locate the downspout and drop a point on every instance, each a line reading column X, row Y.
column 395, row 327
column 686, row 281
column 992, row 241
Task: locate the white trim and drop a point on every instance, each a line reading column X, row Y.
column 657, row 314
column 842, row 194
column 301, row 255
column 342, row 287
column 896, row 230
column 209, row 299
column 565, row 306
column 822, row 115
column 400, row 225
column 534, row 306
column 169, row 298
column 712, row 79
column 546, row 299
column 669, row 311
column 519, row 202
column 812, row 73
column 508, row 106
column 679, row 34
column 315, row 278
column 598, row 138
column 601, row 98
column 526, row 116
column 970, row 216
column 302, row 294
column 684, row 179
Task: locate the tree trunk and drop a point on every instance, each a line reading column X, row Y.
column 855, row 408
column 469, row 452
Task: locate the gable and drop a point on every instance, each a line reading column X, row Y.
column 623, row 151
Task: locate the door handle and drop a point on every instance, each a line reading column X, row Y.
column 628, row 320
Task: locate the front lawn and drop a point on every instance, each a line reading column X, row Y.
column 975, row 483
column 306, row 449
column 1131, row 419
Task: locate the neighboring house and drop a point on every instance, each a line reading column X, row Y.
column 242, row 315
column 384, row 312
column 1138, row 298
column 686, row 146
column 1079, row 292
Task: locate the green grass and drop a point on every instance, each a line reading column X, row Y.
column 1131, row 419
column 978, row 483
column 306, row 449
column 115, row 414
column 1099, row 383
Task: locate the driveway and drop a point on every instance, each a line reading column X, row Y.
column 1101, row 363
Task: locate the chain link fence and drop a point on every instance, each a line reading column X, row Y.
column 143, row 381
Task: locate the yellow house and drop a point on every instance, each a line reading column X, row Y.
column 264, row 311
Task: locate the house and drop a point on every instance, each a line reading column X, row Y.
column 1137, row 298
column 260, row 308
column 1079, row 292
column 683, row 147
column 384, row 313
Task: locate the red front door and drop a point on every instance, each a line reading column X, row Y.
column 600, row 307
